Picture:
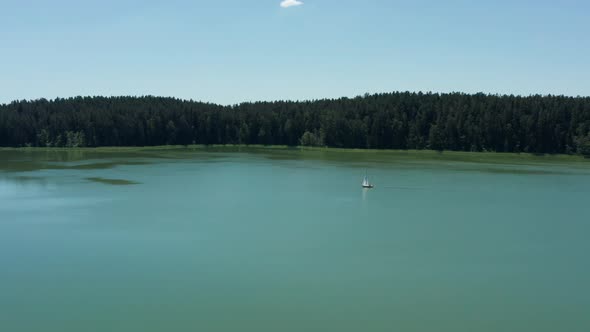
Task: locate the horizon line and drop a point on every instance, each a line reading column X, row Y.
column 367, row 94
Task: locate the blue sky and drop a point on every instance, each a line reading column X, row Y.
column 229, row 51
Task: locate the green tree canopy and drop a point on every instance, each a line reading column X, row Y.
column 400, row 120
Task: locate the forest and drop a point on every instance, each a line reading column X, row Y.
column 399, row 120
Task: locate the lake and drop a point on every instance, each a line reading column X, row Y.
column 236, row 239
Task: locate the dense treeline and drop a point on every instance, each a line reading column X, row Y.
column 537, row 124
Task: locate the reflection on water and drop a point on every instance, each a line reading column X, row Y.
column 365, row 192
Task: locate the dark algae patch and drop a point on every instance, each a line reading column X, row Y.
column 114, row 182
column 101, row 165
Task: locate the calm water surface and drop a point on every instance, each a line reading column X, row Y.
column 281, row 240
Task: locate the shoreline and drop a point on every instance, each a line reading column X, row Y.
column 444, row 155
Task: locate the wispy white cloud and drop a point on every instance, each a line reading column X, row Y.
column 291, row 3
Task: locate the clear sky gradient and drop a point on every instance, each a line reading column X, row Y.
column 229, row 51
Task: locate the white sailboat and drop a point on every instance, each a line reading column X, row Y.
column 366, row 183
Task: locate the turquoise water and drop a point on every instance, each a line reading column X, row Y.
column 285, row 240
